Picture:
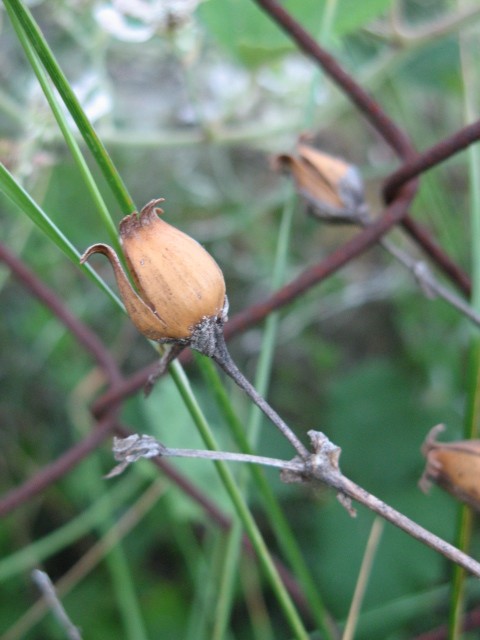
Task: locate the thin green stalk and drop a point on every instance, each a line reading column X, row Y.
column 17, row 194
column 474, row 172
column 465, row 516
column 66, row 132
column 229, row 574
column 281, row 529
column 472, row 419
column 241, row 507
column 89, row 560
column 228, row 581
column 363, row 577
column 93, row 142
column 40, row 550
column 265, row 360
column 205, row 592
column 121, row 579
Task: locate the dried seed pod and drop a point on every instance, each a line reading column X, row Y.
column 454, row 466
column 332, row 188
column 180, row 286
column 181, row 298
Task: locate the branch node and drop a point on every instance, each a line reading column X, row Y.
column 131, row 449
column 321, row 465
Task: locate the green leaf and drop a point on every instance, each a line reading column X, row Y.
column 15, row 192
column 248, row 34
column 253, row 38
column 352, row 15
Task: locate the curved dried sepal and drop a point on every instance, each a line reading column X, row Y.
column 152, row 206
column 145, row 320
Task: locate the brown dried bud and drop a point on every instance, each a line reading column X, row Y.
column 179, row 283
column 332, row 188
column 454, row 466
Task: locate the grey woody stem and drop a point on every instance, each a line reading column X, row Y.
column 321, row 466
column 421, row 271
column 429, row 283
column 224, row 360
column 47, row 589
column 415, row 530
column 227, row 456
column 324, row 467
column 357, row 493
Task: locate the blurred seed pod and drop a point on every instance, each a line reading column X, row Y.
column 332, row 188
column 454, row 466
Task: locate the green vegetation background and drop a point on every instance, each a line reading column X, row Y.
column 193, row 114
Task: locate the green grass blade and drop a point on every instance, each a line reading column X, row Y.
column 472, row 418
column 68, row 96
column 233, row 551
column 241, row 507
column 66, row 132
column 282, row 528
column 228, row 581
column 17, row 194
column 40, row 550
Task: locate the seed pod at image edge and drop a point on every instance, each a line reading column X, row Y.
column 453, row 466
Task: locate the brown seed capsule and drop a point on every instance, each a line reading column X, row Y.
column 179, row 284
column 332, row 188
column 454, row 466
column 181, row 298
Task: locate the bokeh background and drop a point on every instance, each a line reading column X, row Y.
column 193, row 100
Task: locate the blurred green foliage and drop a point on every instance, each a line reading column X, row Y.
column 193, row 111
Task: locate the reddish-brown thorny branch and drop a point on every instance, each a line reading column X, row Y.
column 431, row 157
column 385, row 126
column 391, row 133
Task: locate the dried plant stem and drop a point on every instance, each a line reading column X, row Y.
column 134, row 447
column 421, row 271
column 355, row 492
column 320, row 466
column 227, row 456
column 324, row 467
column 363, row 576
column 210, row 341
column 428, row 282
column 224, row 360
column 45, row 585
